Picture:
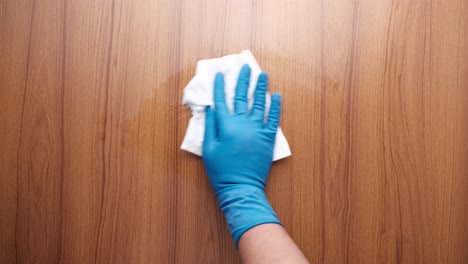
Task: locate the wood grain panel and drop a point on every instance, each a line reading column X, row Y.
column 375, row 110
column 87, row 63
column 15, row 36
column 40, row 152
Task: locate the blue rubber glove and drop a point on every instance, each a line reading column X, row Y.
column 238, row 152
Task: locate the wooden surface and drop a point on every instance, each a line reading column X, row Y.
column 375, row 111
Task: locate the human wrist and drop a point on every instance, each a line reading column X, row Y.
column 244, row 207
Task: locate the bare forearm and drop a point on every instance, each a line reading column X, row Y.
column 269, row 243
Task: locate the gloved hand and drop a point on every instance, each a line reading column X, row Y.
column 238, row 152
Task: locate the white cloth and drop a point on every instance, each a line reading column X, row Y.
column 199, row 93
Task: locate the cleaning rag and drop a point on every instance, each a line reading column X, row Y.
column 199, row 93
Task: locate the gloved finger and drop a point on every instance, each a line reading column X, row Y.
column 210, row 126
column 258, row 109
column 240, row 100
column 218, row 97
column 275, row 112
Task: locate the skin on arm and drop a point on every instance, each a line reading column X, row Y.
column 269, row 243
column 237, row 154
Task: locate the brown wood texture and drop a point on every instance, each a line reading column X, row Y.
column 375, row 111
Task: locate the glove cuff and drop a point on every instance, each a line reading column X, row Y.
column 245, row 207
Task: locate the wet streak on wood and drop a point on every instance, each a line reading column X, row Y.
column 375, row 106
